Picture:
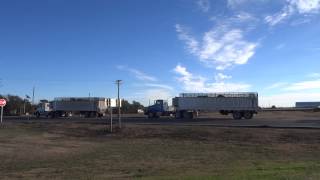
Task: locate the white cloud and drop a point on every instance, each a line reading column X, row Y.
column 204, row 5
column 313, row 84
column 304, row 85
column 292, row 92
column 293, row 7
column 154, row 94
column 190, row 82
column 195, row 83
column 221, row 47
column 221, row 77
column 287, row 99
column 138, row 74
column 306, row 6
column 149, row 95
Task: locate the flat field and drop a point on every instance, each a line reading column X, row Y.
column 84, row 150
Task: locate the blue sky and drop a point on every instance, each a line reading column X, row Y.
column 161, row 48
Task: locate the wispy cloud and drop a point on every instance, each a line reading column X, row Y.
column 236, row 3
column 277, row 18
column 191, row 43
column 314, row 75
column 276, row 85
column 221, row 47
column 204, row 5
column 161, row 86
column 313, row 84
column 196, row 83
column 243, row 17
column 280, row 46
column 149, row 89
column 137, row 73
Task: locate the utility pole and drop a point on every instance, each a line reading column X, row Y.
column 24, row 106
column 118, row 82
column 33, row 95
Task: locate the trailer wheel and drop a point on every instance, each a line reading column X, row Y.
column 236, row 115
column 248, row 115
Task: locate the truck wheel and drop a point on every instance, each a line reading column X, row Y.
column 150, row 115
column 178, row 115
column 236, row 115
column 188, row 115
column 52, row 114
column 248, row 115
column 38, row 115
column 93, row 114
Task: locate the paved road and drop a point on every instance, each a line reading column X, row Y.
column 272, row 120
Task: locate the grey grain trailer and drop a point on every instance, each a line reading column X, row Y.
column 87, row 106
column 239, row 104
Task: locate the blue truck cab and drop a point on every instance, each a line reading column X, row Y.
column 159, row 108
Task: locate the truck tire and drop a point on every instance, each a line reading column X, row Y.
column 156, row 115
column 37, row 114
column 248, row 115
column 93, row 114
column 236, row 115
column 188, row 115
column 178, row 115
column 150, row 115
column 87, row 114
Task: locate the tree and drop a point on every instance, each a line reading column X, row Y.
column 130, row 108
column 16, row 105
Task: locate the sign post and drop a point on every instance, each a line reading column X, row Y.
column 112, row 105
column 3, row 102
column 111, row 119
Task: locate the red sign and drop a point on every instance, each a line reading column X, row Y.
column 3, row 102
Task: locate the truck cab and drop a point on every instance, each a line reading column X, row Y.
column 43, row 109
column 159, row 108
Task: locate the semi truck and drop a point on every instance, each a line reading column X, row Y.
column 159, row 108
column 189, row 105
column 67, row 106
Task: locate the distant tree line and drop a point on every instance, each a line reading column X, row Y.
column 16, row 105
column 131, row 107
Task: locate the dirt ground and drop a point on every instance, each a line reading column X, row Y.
column 82, row 150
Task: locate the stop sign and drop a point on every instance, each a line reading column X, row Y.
column 3, row 102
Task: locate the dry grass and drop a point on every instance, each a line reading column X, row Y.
column 87, row 151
